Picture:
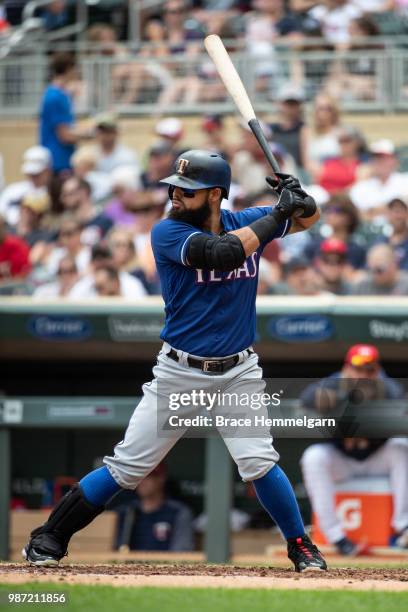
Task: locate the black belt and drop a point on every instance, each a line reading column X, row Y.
column 218, row 366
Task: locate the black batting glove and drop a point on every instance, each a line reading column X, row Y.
column 286, row 206
column 285, row 181
column 306, row 206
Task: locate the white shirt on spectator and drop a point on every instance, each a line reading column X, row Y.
column 130, row 287
column 370, row 6
column 11, row 197
column 82, row 260
column 49, row 290
column 323, row 147
column 101, row 185
column 120, row 156
column 334, row 23
column 372, row 192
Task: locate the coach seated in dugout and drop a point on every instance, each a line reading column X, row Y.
column 328, row 463
column 150, row 520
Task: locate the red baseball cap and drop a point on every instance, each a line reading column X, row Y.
column 362, row 354
column 333, row 245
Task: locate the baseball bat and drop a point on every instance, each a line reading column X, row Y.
column 235, row 87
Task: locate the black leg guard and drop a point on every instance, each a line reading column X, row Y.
column 72, row 513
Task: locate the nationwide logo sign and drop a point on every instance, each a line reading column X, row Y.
column 301, row 328
column 133, row 329
column 385, row 330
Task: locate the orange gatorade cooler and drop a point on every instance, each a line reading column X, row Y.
column 364, row 506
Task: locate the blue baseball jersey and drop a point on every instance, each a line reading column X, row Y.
column 208, row 313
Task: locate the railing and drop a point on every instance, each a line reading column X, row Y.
column 373, row 80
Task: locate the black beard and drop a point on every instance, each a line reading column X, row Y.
column 196, row 217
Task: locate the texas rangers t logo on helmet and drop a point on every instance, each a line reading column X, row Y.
column 182, row 165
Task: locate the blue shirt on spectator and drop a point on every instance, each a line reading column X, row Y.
column 56, row 109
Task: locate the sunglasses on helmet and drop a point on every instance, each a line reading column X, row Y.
column 187, row 193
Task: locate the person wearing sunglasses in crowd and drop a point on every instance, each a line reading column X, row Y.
column 67, row 276
column 333, row 461
column 383, row 276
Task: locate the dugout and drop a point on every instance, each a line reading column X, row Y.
column 56, row 355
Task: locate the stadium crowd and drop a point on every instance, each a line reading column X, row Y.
column 79, row 223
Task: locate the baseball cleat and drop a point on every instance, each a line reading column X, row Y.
column 38, row 558
column 305, row 555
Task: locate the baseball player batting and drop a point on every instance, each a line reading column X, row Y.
column 207, row 259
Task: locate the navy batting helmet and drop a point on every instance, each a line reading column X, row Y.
column 197, row 169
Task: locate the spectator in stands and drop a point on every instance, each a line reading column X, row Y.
column 32, row 225
column 67, row 276
column 14, row 255
column 143, row 80
column 213, row 129
column 55, row 15
column 340, row 220
column 107, row 282
column 341, row 172
column 69, row 243
column 300, row 278
column 397, row 231
column 249, row 165
column 290, row 130
column 111, row 152
column 331, row 265
column 303, row 21
column 101, row 257
column 151, row 520
column 383, row 276
column 76, row 199
column 331, row 462
column 183, row 34
column 323, row 143
column 103, row 40
column 159, row 165
column 180, row 32
column 264, row 25
column 268, row 277
column 171, row 130
column 372, row 195
column 58, row 132
column 125, row 182
column 126, row 259
column 84, row 165
column 36, row 168
column 355, row 78
column 334, row 17
column 218, row 16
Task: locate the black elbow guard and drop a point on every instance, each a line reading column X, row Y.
column 223, row 253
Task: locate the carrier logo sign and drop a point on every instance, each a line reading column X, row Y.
column 182, row 165
column 301, row 328
column 55, row 327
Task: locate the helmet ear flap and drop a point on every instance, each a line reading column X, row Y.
column 171, row 191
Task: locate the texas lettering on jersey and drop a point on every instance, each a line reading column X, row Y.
column 249, row 269
column 208, row 312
